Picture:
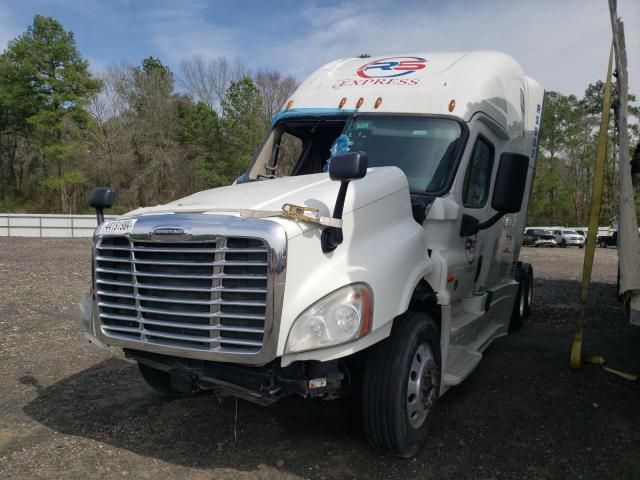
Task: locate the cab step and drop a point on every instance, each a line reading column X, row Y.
column 461, row 363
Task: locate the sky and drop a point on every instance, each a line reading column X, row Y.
column 563, row 44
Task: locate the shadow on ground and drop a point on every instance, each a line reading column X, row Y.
column 521, row 411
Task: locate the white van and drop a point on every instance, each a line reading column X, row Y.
column 371, row 248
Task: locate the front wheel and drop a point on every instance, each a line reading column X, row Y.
column 401, row 385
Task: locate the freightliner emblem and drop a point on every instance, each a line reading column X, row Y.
column 170, row 232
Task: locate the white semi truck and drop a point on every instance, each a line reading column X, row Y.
column 371, row 247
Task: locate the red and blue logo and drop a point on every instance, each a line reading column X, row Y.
column 391, row 67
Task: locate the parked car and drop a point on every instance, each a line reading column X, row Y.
column 545, row 241
column 610, row 240
column 539, row 237
column 565, row 237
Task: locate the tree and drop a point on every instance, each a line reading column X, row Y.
column 564, row 174
column 274, row 89
column 207, row 81
column 242, row 129
column 45, row 86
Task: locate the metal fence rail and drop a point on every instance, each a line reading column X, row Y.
column 44, row 225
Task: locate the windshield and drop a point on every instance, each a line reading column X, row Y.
column 424, row 148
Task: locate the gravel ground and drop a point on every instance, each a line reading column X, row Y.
column 69, row 410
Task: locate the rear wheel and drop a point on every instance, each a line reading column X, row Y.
column 529, row 291
column 160, row 381
column 563, row 243
column 603, row 244
column 517, row 315
column 401, row 385
column 520, row 305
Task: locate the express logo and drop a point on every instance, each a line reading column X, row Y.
column 391, row 67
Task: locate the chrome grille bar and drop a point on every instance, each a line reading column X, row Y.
column 164, row 275
column 179, row 295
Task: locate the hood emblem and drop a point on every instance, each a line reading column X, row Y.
column 170, row 232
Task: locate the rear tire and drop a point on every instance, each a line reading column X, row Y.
column 519, row 307
column 529, row 291
column 603, row 244
column 159, row 380
column 401, row 385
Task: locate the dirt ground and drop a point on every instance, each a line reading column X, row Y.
column 69, row 410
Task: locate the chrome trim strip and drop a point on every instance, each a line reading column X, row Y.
column 186, row 301
column 181, row 262
column 168, row 275
column 186, row 250
column 152, row 286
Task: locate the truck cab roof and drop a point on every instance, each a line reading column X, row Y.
column 456, row 84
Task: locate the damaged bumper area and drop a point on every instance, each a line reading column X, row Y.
column 262, row 385
column 85, row 319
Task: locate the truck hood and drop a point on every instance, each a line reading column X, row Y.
column 316, row 190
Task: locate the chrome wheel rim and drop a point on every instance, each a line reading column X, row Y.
column 530, row 291
column 422, row 385
column 522, row 300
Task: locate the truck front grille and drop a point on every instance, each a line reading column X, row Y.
column 208, row 296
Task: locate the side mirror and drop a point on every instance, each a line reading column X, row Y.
column 511, row 181
column 343, row 168
column 101, row 198
column 508, row 192
column 348, row 166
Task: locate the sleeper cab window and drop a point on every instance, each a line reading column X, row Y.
column 477, row 180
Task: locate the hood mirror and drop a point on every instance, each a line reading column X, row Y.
column 343, row 168
column 101, row 198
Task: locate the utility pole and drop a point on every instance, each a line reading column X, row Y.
column 628, row 238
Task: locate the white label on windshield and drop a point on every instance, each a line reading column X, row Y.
column 117, row 227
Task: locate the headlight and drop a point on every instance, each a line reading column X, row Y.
column 340, row 317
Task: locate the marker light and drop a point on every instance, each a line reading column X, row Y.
column 342, row 316
column 342, row 102
column 452, row 105
column 378, row 102
column 359, row 102
column 289, row 105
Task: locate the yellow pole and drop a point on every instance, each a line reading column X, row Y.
column 594, row 214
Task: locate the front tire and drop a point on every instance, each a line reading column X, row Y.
column 401, row 385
